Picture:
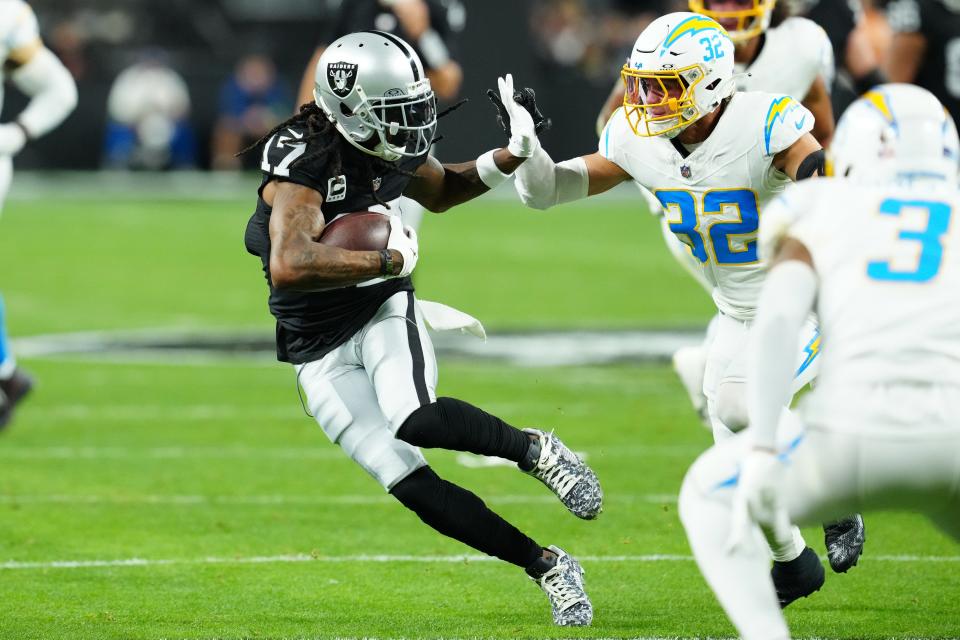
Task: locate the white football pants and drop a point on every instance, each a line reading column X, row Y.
column 362, row 392
column 880, row 446
column 724, row 381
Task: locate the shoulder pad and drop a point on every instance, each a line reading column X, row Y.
column 786, row 120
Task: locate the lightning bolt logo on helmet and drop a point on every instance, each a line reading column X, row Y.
column 681, row 69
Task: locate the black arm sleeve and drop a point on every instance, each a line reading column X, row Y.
column 812, row 165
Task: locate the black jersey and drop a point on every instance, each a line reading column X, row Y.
column 311, row 324
column 838, row 18
column 939, row 23
column 447, row 19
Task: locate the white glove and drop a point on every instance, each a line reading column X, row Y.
column 12, row 139
column 758, row 499
column 523, row 134
column 404, row 240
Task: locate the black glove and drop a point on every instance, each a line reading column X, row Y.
column 526, row 98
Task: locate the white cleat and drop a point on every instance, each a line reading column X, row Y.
column 690, row 363
column 563, row 584
column 567, row 476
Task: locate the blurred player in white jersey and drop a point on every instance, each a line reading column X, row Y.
column 793, row 58
column 875, row 255
column 35, row 71
column 713, row 157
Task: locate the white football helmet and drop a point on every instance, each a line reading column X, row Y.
column 680, row 70
column 372, row 83
column 896, row 131
column 742, row 24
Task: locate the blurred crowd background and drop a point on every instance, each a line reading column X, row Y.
column 188, row 84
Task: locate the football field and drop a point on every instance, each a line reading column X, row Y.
column 186, row 495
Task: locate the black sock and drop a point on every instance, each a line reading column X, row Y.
column 461, row 515
column 458, row 426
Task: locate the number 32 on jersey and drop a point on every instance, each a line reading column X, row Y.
column 730, row 241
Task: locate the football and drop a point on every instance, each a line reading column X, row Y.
column 359, row 231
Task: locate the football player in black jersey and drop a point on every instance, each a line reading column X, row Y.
column 349, row 321
column 925, row 49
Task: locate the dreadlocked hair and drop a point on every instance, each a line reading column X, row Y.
column 318, row 125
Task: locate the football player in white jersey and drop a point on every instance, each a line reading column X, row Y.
column 37, row 72
column 793, row 58
column 713, row 157
column 875, row 255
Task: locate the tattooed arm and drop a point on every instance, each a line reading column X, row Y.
column 441, row 186
column 297, row 260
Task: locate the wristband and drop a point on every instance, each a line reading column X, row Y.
column 489, row 172
column 386, row 262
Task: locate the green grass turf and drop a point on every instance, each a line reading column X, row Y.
column 85, row 265
column 240, row 433
column 97, row 460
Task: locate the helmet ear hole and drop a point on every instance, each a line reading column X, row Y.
column 713, row 85
column 345, row 110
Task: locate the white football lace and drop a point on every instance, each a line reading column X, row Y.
column 562, row 592
column 556, row 473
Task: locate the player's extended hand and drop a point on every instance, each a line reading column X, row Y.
column 12, row 139
column 758, row 499
column 519, row 116
column 403, row 239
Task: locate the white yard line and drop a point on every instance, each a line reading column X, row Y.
column 321, row 451
column 525, row 348
column 267, row 500
column 383, row 559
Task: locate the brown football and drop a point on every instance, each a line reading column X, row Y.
column 360, row 231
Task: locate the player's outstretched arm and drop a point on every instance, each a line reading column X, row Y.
column 441, row 186
column 298, row 262
column 38, row 73
column 542, row 183
column 787, row 297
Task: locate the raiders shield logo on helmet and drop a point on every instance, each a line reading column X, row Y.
column 341, row 76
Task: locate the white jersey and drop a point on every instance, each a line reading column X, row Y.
column 794, row 53
column 888, row 262
column 18, row 30
column 712, row 198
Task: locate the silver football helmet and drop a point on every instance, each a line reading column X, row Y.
column 372, row 86
column 896, row 130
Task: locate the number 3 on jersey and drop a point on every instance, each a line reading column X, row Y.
column 722, row 234
column 931, row 248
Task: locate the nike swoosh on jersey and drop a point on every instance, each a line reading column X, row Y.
column 799, row 125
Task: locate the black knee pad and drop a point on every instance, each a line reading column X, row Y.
column 421, row 491
column 424, row 427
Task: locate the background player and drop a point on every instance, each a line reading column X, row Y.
column 925, row 48
column 684, row 134
column 36, row 71
column 881, row 428
column 767, row 58
column 350, row 323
